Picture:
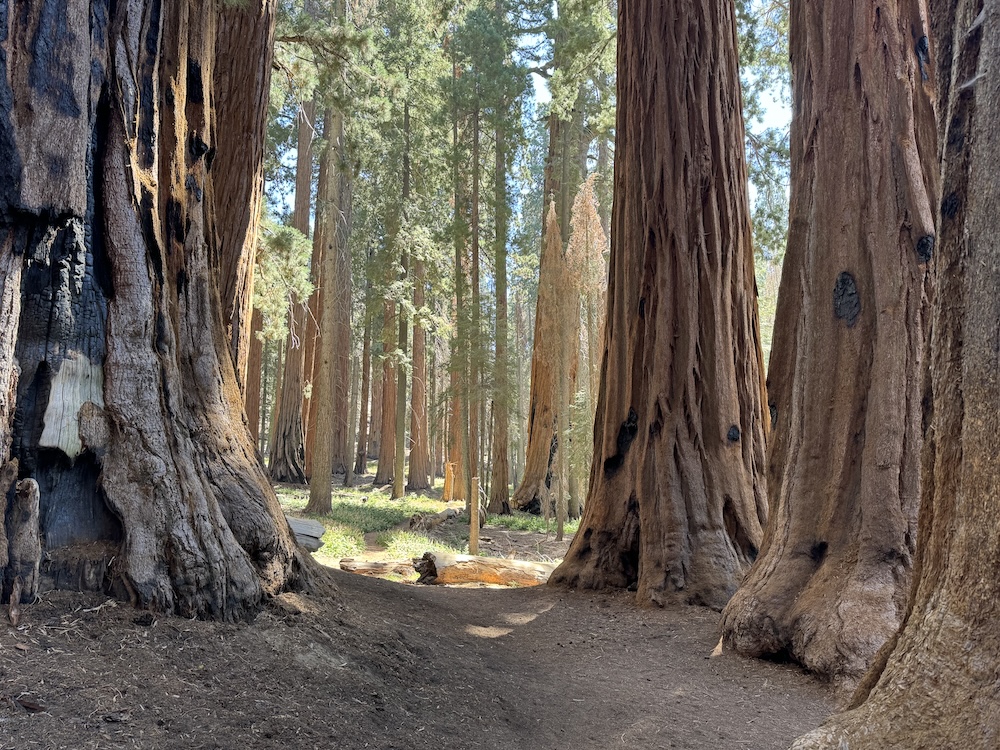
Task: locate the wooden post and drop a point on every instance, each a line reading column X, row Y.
column 449, row 482
column 474, row 518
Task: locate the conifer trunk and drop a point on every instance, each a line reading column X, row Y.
column 499, row 501
column 475, row 344
column 677, row 500
column 562, row 179
column 244, row 51
column 130, row 412
column 361, row 461
column 542, row 418
column 404, row 262
column 934, row 685
column 833, row 577
column 255, row 363
column 375, row 423
column 286, row 460
column 387, row 414
column 330, row 337
column 419, row 469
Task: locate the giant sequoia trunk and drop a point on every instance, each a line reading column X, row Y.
column 563, row 175
column 129, row 413
column 845, row 378
column 677, row 501
column 244, row 49
column 935, row 684
column 545, row 361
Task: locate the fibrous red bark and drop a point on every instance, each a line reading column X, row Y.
column 677, row 501
column 935, row 684
column 845, row 375
column 244, row 51
column 132, row 417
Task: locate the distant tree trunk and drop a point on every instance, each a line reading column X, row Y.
column 244, row 48
column 542, row 419
column 833, row 577
column 387, row 429
column 565, row 338
column 331, row 234
column 352, row 418
column 129, row 410
column 255, row 363
column 520, row 335
column 562, row 178
column 420, row 456
column 328, row 220
column 287, row 457
column 499, row 484
column 378, row 372
column 934, row 685
column 475, row 343
column 400, row 421
column 361, row 462
column 677, row 498
column 458, row 430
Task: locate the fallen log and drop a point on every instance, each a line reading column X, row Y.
column 370, row 568
column 443, row 568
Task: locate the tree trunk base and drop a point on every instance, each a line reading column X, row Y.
column 916, row 708
column 833, row 627
column 83, row 567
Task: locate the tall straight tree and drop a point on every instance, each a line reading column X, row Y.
column 419, row 469
column 833, row 577
column 129, row 409
column 399, row 431
column 499, row 500
column 677, row 497
column 935, row 684
column 287, row 457
column 330, row 434
column 387, row 414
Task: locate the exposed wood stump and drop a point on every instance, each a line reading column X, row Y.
column 24, row 548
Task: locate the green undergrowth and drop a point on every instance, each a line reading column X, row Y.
column 360, row 511
column 356, row 511
column 403, row 545
column 520, row 521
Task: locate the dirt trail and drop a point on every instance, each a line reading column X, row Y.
column 386, row 665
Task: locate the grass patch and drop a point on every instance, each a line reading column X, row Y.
column 357, row 511
column 520, row 521
column 341, row 541
column 360, row 508
column 403, row 545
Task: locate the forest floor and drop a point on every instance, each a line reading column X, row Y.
column 383, row 664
